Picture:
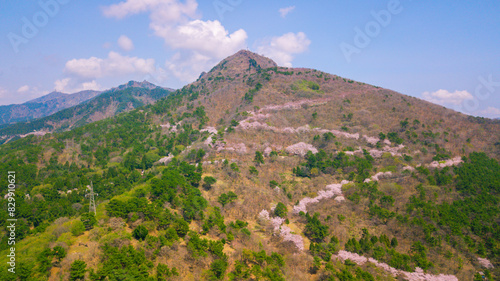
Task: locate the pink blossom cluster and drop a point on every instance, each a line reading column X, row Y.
column 450, row 162
column 286, row 234
column 301, row 149
column 208, row 141
column 257, row 116
column 283, row 231
column 268, row 151
column 394, row 151
column 276, row 222
column 409, row 168
column 378, row 175
column 371, row 140
column 418, row 275
column 359, row 150
column 485, row 263
column 376, row 153
column 330, row 191
column 247, row 125
column 35, row 133
column 339, row 198
column 264, row 214
column 344, row 134
column 166, row 159
column 250, row 123
column 173, row 128
column 211, row 130
column 238, row 148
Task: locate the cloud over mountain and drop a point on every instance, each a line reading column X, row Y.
column 283, row 48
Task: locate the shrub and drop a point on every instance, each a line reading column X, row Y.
column 394, row 138
column 234, row 167
column 273, row 184
column 253, row 170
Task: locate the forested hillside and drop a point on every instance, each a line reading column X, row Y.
column 256, row 172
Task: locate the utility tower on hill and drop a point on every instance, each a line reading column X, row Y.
column 91, row 194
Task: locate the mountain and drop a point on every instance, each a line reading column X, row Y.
column 116, row 100
column 259, row 172
column 42, row 106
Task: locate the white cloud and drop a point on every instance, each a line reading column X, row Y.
column 114, row 65
column 162, row 11
column 199, row 44
column 208, row 38
column 187, row 66
column 68, row 85
column 23, row 89
column 61, row 85
column 285, row 11
column 444, row 97
column 492, row 112
column 282, row 49
column 125, row 43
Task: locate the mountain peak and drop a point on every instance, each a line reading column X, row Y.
column 50, row 96
column 241, row 62
column 135, row 84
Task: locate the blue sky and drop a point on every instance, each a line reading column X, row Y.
column 447, row 52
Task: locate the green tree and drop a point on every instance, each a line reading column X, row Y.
column 77, row 270
column 259, row 158
column 280, row 210
column 227, row 198
column 273, row 184
column 208, row 182
column 77, row 228
column 394, row 242
column 59, row 253
column 314, row 230
column 223, row 199
column 140, row 232
column 89, row 220
column 181, row 227
column 253, row 170
column 218, row 268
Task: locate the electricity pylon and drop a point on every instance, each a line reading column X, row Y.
column 91, row 194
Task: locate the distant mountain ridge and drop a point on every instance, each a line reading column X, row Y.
column 105, row 104
column 43, row 106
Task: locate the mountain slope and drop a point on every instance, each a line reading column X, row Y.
column 261, row 172
column 42, row 106
column 114, row 101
